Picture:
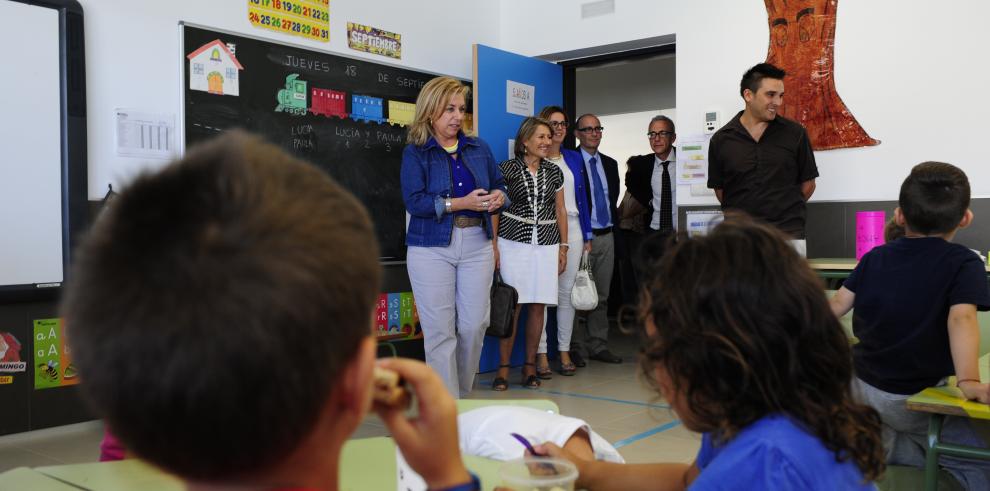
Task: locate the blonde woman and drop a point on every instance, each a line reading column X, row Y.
column 450, row 185
column 529, row 252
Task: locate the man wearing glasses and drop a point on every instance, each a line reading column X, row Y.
column 761, row 162
column 650, row 181
column 602, row 183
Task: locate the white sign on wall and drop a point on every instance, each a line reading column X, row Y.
column 519, row 98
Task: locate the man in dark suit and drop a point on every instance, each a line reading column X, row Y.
column 651, row 183
column 602, row 183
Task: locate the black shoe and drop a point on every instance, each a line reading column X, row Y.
column 578, row 360
column 606, row 356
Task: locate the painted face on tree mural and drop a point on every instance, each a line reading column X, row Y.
column 802, row 43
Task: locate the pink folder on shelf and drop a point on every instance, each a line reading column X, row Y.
column 869, row 231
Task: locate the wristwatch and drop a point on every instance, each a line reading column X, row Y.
column 474, row 485
column 447, row 204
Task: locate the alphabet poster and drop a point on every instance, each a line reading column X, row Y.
column 52, row 358
column 802, row 43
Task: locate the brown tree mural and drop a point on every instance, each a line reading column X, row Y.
column 802, row 42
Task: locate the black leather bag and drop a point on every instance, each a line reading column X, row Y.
column 504, row 298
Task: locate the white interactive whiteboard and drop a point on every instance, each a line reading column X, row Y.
column 34, row 127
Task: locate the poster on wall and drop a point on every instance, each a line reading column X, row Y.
column 802, row 43
column 396, row 317
column 213, row 68
column 306, row 18
column 692, row 159
column 11, row 362
column 53, row 365
column 373, row 40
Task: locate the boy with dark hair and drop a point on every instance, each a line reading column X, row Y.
column 220, row 312
column 915, row 301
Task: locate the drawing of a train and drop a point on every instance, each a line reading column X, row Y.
column 292, row 99
column 298, row 98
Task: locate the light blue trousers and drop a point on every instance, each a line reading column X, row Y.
column 452, row 289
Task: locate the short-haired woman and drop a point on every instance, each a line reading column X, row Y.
column 450, row 185
column 530, row 252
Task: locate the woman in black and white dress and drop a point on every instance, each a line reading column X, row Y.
column 529, row 250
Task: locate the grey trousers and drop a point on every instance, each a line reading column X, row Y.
column 452, row 287
column 591, row 336
column 905, row 433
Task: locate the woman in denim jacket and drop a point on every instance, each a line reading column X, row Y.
column 450, row 184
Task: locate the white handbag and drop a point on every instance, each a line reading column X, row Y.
column 584, row 294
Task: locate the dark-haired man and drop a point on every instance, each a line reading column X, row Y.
column 761, row 162
column 242, row 282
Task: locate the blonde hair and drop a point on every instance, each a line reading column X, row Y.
column 430, row 102
column 526, row 130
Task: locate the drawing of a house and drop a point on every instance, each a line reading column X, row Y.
column 213, row 68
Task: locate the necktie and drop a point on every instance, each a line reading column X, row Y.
column 601, row 202
column 666, row 203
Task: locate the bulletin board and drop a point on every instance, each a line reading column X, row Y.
column 346, row 116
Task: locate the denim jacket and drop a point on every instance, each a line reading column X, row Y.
column 427, row 183
column 576, row 163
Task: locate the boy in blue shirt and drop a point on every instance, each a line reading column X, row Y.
column 915, row 301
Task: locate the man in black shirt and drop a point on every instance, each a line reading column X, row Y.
column 760, row 162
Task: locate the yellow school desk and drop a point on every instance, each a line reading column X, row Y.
column 948, row 401
column 839, row 267
column 22, row 478
column 366, row 464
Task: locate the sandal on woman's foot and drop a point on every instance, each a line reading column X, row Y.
column 567, row 369
column 500, row 384
column 543, row 371
column 530, row 381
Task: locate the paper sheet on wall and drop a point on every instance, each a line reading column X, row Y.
column 699, row 222
column 692, row 159
column 147, row 135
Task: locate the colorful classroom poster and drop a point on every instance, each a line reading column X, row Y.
column 692, row 159
column 394, row 306
column 373, row 40
column 406, row 313
column 381, row 315
column 11, row 360
column 52, row 358
column 306, row 18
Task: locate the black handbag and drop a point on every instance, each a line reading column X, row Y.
column 504, row 298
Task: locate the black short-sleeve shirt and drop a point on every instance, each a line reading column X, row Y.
column 900, row 313
column 763, row 178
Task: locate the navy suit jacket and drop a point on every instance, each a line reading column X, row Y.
column 611, row 168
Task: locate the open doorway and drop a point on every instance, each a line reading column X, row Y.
column 625, row 86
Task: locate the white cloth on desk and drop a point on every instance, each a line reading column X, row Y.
column 485, row 432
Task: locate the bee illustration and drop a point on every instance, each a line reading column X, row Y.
column 49, row 371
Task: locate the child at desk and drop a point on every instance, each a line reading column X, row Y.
column 915, row 301
column 740, row 342
column 220, row 311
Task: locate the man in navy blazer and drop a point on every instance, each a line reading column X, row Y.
column 602, row 185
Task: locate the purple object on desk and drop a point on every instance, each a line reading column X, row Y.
column 869, row 231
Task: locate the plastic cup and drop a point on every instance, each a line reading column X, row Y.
column 538, row 474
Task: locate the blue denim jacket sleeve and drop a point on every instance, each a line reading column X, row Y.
column 494, row 174
column 415, row 186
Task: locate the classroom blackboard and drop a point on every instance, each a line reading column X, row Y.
column 346, row 116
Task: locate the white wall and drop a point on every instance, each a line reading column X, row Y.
column 911, row 72
column 133, row 56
